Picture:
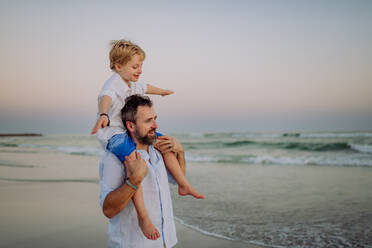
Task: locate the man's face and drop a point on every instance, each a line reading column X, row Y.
column 146, row 125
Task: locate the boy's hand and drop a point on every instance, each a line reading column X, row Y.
column 166, row 92
column 101, row 123
column 168, row 144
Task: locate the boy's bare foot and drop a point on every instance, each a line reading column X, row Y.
column 189, row 190
column 148, row 229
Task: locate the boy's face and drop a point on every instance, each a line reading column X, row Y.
column 132, row 70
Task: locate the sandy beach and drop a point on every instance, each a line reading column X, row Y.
column 50, row 199
column 309, row 190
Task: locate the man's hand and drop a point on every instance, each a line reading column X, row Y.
column 118, row 199
column 136, row 168
column 168, row 144
column 166, row 92
column 101, row 123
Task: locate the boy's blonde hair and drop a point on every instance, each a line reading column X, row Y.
column 122, row 52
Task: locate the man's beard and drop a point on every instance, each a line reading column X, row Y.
column 145, row 139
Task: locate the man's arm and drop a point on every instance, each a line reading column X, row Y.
column 157, row 91
column 118, row 199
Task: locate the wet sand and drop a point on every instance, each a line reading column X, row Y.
column 51, row 199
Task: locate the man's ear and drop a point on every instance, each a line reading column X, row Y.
column 130, row 125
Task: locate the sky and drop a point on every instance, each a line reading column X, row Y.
column 256, row 66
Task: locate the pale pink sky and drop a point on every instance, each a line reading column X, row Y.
column 234, row 65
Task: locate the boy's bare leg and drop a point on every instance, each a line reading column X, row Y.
column 144, row 221
column 184, row 187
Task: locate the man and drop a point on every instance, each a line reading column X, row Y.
column 147, row 169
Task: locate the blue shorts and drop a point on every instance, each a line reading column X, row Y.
column 122, row 145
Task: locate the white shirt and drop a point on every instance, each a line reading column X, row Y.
column 118, row 90
column 124, row 230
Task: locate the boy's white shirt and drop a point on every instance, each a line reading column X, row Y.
column 118, row 90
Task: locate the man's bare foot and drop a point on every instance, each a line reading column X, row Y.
column 189, row 190
column 148, row 229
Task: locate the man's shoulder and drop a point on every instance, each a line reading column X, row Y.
column 109, row 158
column 153, row 149
column 156, row 153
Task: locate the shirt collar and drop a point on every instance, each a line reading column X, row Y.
column 154, row 156
column 120, row 85
column 151, row 156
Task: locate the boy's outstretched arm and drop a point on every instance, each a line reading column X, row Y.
column 157, row 91
column 103, row 107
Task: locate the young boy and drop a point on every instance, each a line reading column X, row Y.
column 126, row 60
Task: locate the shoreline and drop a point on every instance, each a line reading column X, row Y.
column 193, row 238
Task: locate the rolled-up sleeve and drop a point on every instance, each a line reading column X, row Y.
column 112, row 175
column 107, row 92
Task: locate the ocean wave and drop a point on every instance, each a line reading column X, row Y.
column 311, row 146
column 74, row 150
column 242, row 135
column 77, row 150
column 336, row 160
column 5, row 144
column 336, row 135
column 239, row 143
column 303, row 146
column 277, row 135
column 361, row 148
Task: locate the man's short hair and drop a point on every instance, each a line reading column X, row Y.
column 129, row 111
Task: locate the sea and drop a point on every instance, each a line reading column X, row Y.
column 295, row 189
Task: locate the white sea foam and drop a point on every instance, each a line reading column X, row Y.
column 201, row 230
column 200, row 158
column 82, row 150
column 216, row 235
column 335, row 135
column 334, row 159
column 274, row 160
column 361, row 148
column 92, row 151
column 256, row 135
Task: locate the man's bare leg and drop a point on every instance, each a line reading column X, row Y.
column 184, row 187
